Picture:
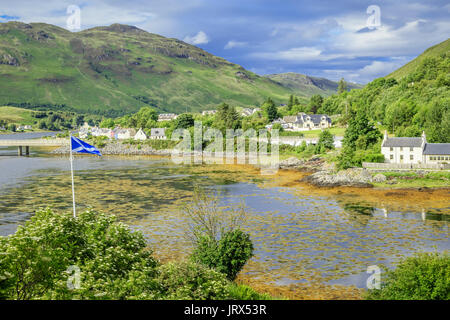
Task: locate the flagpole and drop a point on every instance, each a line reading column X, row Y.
column 71, row 171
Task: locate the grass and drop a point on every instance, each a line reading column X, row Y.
column 411, row 179
column 336, row 131
column 16, row 115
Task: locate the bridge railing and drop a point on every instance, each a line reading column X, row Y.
column 33, row 142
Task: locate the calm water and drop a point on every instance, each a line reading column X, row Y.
column 299, row 235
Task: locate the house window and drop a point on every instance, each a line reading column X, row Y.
column 411, row 149
column 401, row 148
column 411, row 157
column 392, row 157
column 391, row 149
column 401, row 157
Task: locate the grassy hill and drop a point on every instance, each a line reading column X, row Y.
column 304, row 85
column 116, row 70
column 16, row 115
column 433, row 51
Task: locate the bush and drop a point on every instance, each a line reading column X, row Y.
column 227, row 255
column 111, row 258
column 191, row 281
column 422, row 277
column 243, row 292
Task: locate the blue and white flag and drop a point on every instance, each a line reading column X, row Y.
column 78, row 145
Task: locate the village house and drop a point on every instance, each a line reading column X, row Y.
column 140, row 135
column 167, row 116
column 303, row 121
column 247, row 112
column 414, row 150
column 125, row 134
column 209, row 112
column 158, row 134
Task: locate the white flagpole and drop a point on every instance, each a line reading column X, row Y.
column 71, row 170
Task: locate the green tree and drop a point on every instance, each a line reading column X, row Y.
column 315, row 103
column 270, row 110
column 425, row 276
column 184, row 121
column 326, row 140
column 342, row 86
column 290, row 103
column 226, row 118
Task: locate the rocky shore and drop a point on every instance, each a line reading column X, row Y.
column 121, row 149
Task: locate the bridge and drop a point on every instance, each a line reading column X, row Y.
column 27, row 143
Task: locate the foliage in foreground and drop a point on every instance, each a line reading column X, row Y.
column 113, row 263
column 425, row 276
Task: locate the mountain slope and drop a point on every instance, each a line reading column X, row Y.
column 306, row 85
column 433, row 51
column 117, row 69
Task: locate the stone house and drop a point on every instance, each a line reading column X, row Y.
column 303, row 121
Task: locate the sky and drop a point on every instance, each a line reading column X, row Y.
column 356, row 40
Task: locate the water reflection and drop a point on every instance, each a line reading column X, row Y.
column 299, row 236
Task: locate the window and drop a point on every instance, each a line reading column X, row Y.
column 411, row 157
column 401, row 157
column 391, row 149
column 392, row 157
column 411, row 149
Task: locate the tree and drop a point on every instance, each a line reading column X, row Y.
column 342, row 86
column 315, row 103
column 184, row 121
column 270, row 110
column 291, row 102
column 226, row 118
column 12, row 127
column 326, row 140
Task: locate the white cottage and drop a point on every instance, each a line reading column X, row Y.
column 140, row 135
column 158, row 134
column 414, row 150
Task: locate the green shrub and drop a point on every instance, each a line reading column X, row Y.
column 113, row 261
column 191, row 281
column 243, row 292
column 227, row 255
column 425, row 276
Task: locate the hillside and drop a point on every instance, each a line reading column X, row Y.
column 413, row 99
column 116, row 70
column 306, row 85
column 433, row 51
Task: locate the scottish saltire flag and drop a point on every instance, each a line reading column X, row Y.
column 83, row 147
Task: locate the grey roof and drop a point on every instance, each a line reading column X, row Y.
column 316, row 118
column 156, row 132
column 403, row 142
column 437, row 148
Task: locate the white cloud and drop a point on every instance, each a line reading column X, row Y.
column 380, row 68
column 298, row 54
column 199, row 38
column 235, row 44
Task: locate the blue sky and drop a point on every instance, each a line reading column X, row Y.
column 320, row 38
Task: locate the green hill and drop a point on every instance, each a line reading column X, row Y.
column 414, row 98
column 433, row 51
column 304, row 85
column 116, row 70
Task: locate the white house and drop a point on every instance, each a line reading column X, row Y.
column 303, row 121
column 414, row 150
column 158, row 134
column 209, row 112
column 125, row 133
column 140, row 135
column 167, row 116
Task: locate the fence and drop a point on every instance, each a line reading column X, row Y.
column 406, row 166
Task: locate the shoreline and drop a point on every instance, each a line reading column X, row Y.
column 320, row 174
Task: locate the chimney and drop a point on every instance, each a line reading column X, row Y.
column 385, row 137
column 424, row 137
